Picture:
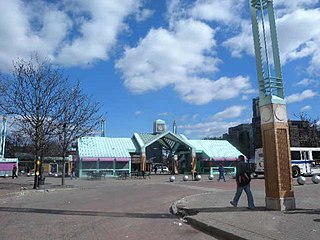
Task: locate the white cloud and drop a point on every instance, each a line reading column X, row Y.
column 296, row 41
column 299, row 97
column 306, row 82
column 306, row 108
column 241, row 43
column 294, row 4
column 206, row 129
column 227, row 11
column 230, row 112
column 244, row 97
column 99, row 33
column 187, row 117
column 179, row 57
column 137, row 113
column 201, row 91
column 25, row 30
column 164, row 114
column 144, row 14
column 314, row 67
column 70, row 32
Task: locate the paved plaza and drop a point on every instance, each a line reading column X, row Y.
column 211, row 213
column 141, row 209
column 94, row 209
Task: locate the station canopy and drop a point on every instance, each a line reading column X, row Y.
column 109, row 148
column 216, row 150
column 105, row 148
column 167, row 139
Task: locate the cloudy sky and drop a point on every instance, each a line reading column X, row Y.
column 182, row 60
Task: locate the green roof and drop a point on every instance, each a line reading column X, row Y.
column 215, row 148
column 166, row 139
column 122, row 147
column 147, row 137
column 105, row 147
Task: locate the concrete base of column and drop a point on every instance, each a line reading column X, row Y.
column 280, row 204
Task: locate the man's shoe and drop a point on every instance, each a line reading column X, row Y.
column 232, row 203
column 251, row 208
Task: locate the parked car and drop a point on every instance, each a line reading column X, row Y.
column 31, row 173
column 162, row 169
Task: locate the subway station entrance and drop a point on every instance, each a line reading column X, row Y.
column 167, row 150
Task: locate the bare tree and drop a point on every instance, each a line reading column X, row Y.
column 16, row 143
column 34, row 94
column 79, row 118
column 311, row 130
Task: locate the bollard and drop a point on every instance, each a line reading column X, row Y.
column 210, row 177
column 315, row 179
column 198, row 177
column 185, row 178
column 172, row 178
column 301, row 180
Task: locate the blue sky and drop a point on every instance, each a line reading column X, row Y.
column 182, row 60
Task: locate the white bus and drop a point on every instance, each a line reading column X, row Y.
column 304, row 161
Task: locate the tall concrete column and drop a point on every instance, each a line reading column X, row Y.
column 274, row 122
column 276, row 150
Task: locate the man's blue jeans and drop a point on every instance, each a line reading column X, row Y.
column 238, row 195
column 221, row 176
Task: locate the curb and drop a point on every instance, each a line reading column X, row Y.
column 178, row 209
column 211, row 230
column 216, row 229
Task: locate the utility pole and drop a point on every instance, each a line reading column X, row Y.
column 3, row 134
column 103, row 127
column 174, row 127
column 274, row 120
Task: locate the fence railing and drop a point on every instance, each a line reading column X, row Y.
column 227, row 170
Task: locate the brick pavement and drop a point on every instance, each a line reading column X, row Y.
column 212, row 213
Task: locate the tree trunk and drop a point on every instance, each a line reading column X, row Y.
column 36, row 178
column 36, row 170
column 63, row 171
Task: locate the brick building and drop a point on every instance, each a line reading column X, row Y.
column 247, row 137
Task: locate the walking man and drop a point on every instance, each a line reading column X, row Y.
column 73, row 172
column 221, row 172
column 243, row 179
column 14, row 171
